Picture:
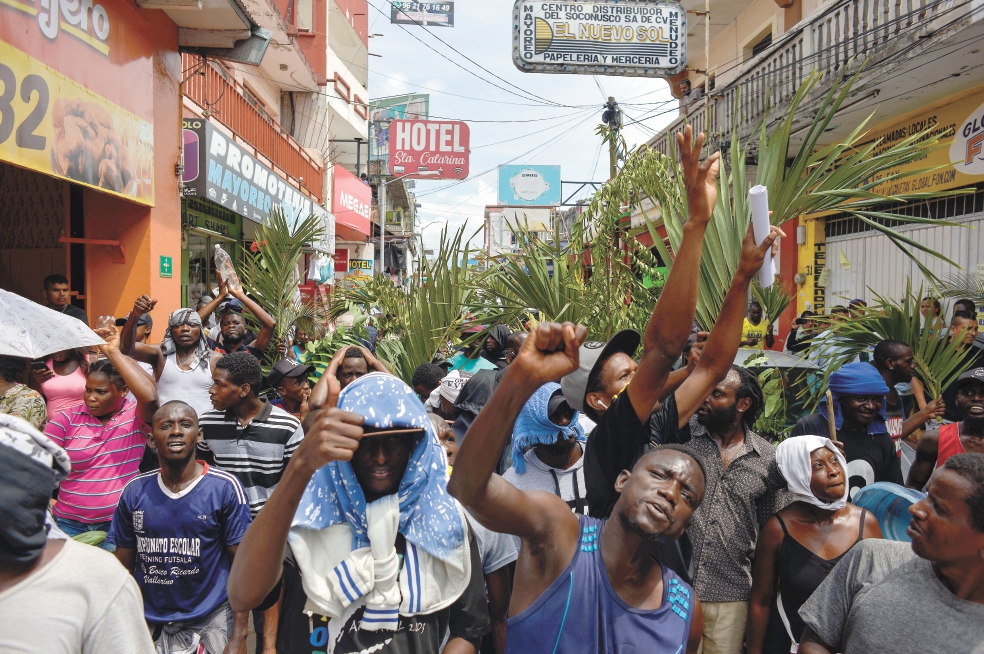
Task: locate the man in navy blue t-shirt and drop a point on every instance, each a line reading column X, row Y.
column 176, row 530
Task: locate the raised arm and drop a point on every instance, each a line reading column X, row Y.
column 267, row 323
column 214, row 303
column 137, row 381
column 373, row 362
column 931, row 410
column 673, row 316
column 327, row 385
column 128, row 342
column 549, row 353
column 722, row 345
column 334, row 435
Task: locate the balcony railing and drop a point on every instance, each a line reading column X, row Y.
column 224, row 98
column 829, row 40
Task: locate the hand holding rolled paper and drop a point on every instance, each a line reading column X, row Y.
column 758, row 198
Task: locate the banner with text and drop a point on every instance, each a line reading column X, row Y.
column 960, row 125
column 425, row 14
column 226, row 174
column 77, row 95
column 351, row 200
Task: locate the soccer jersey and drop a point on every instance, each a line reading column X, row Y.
column 181, row 541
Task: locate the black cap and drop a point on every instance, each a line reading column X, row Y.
column 145, row 319
column 974, row 374
column 287, row 368
column 575, row 384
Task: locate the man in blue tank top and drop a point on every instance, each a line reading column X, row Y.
column 583, row 584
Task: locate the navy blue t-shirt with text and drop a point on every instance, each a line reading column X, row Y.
column 180, row 539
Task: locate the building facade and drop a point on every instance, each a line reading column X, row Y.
column 920, row 70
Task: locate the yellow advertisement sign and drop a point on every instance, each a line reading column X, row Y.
column 52, row 124
column 959, row 122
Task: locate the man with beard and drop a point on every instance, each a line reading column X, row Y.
column 203, row 513
column 548, row 443
column 744, row 489
column 936, row 446
column 583, row 583
column 232, row 325
column 859, row 394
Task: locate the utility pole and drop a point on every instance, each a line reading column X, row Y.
column 612, row 116
column 382, row 223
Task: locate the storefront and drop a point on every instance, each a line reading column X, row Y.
column 229, row 192
column 87, row 181
column 355, row 256
column 204, row 225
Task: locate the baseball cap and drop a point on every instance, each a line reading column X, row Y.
column 145, row 319
column 452, row 384
column 287, row 368
column 974, row 374
column 575, row 384
column 473, row 329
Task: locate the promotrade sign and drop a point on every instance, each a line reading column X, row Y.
column 638, row 38
column 229, row 176
column 419, row 146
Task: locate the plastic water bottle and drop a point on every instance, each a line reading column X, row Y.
column 889, row 503
column 223, row 265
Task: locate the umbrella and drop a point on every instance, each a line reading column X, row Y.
column 773, row 359
column 31, row 331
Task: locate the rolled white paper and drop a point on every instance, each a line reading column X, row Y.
column 758, row 197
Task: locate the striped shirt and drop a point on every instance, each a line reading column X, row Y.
column 257, row 453
column 104, row 458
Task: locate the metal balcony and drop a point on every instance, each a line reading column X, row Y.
column 836, row 39
column 223, row 97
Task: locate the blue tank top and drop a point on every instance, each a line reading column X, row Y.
column 580, row 608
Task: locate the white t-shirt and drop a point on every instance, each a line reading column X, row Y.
column 83, row 601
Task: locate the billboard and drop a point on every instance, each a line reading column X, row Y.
column 958, row 121
column 426, row 14
column 634, row 38
column 77, row 99
column 351, row 200
column 219, row 170
column 381, row 112
column 534, row 220
column 529, row 185
column 424, row 146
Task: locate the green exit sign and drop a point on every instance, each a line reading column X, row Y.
column 167, row 266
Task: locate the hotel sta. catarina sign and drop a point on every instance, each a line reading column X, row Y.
column 635, row 38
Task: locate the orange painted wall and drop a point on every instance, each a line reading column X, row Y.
column 145, row 233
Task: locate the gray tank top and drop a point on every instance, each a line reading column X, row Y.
column 189, row 386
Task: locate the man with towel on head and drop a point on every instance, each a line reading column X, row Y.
column 384, row 552
column 548, row 448
column 182, row 363
column 859, row 393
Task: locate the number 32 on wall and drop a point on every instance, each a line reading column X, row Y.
column 30, row 86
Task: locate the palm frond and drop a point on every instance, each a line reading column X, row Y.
column 774, row 300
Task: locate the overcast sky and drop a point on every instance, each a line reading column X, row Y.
column 550, row 135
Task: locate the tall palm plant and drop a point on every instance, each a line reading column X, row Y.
column 938, row 362
column 271, row 274
column 838, row 177
column 773, row 300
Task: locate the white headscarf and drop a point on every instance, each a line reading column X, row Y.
column 793, row 457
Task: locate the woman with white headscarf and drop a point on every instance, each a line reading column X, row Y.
column 800, row 545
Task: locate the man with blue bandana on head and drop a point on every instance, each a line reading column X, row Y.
column 385, row 554
column 859, row 393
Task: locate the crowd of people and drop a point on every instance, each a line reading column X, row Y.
column 534, row 492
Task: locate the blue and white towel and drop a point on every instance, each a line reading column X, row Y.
column 345, row 549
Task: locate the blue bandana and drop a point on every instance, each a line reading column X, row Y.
column 857, row 378
column 429, row 517
column 533, row 426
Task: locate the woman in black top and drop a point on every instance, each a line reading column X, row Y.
column 800, row 544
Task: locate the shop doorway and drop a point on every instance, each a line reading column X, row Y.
column 199, row 263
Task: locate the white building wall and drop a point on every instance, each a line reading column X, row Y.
column 876, row 265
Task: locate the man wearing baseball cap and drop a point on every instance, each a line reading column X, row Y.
column 291, row 381
column 967, row 435
column 469, row 359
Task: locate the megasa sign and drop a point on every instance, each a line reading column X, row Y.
column 636, row 38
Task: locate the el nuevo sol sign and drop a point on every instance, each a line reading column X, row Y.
column 424, row 146
column 637, row 38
